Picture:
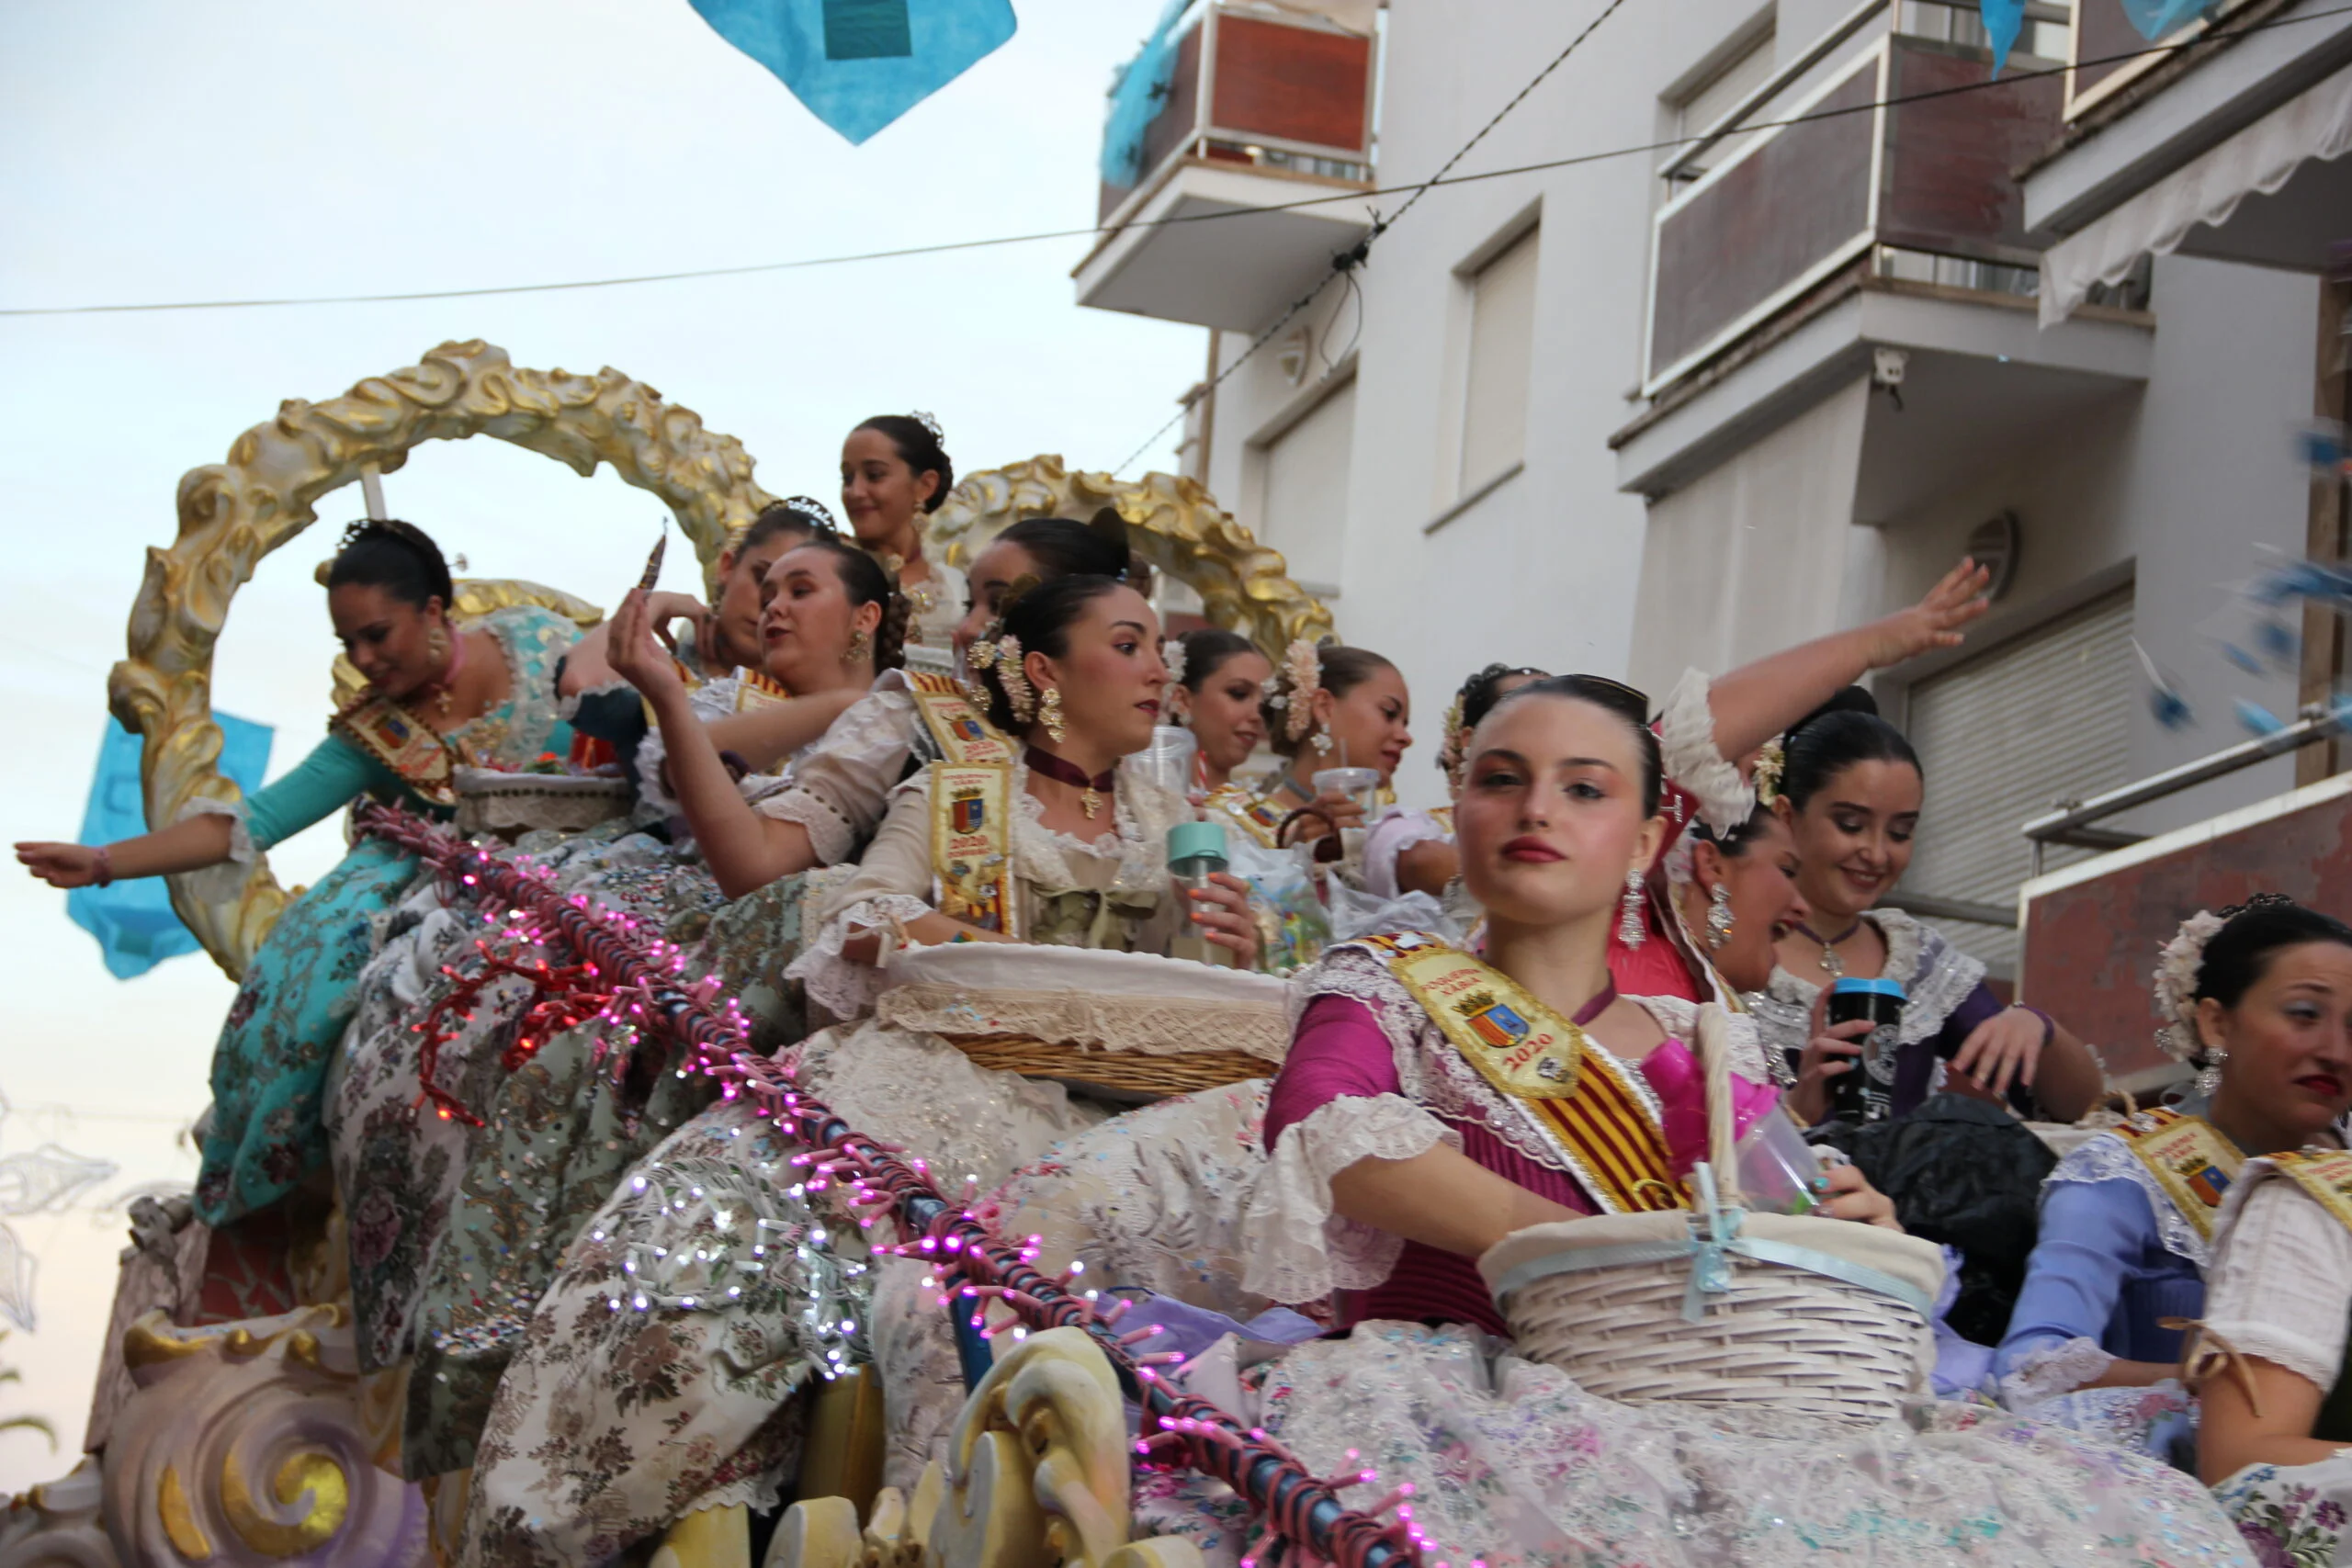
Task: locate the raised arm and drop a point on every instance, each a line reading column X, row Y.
column 1757, row 700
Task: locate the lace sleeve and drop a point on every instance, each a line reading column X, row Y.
column 2280, row 1282
column 848, row 778
column 1297, row 1248
column 712, row 700
column 220, row 883
column 2054, row 1370
column 892, row 883
column 1686, row 738
column 1389, row 837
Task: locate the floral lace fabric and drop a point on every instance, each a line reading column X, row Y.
column 2293, row 1516
column 1296, row 1249
column 1937, row 978
column 2054, row 1370
column 2105, row 1157
column 1515, row 1466
column 841, row 789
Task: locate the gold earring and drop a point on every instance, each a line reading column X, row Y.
column 861, row 643
column 1049, row 713
column 436, row 645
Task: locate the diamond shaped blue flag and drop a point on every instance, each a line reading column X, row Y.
column 859, row 65
column 133, row 919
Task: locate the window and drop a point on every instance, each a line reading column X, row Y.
column 2003, row 736
column 1748, row 67
column 1302, row 510
column 1503, row 332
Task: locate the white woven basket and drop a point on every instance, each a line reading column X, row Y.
column 1831, row 1323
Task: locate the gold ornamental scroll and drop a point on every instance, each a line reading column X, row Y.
column 1172, row 523
column 234, row 513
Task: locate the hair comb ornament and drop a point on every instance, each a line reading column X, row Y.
column 930, row 423
column 652, row 573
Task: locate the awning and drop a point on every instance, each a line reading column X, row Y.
column 2259, row 159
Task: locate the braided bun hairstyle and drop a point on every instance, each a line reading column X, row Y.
column 919, row 446
column 864, row 580
column 399, row 558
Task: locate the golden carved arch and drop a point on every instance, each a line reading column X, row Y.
column 1172, row 523
column 234, row 513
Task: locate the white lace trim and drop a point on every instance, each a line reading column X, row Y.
column 2308, row 1360
column 2105, row 1157
column 1155, row 1026
column 2054, row 1370
column 1390, row 837
column 223, row 881
column 1686, row 742
column 831, row 834
column 568, row 708
column 1937, row 978
column 844, row 986
column 1297, row 1248
column 711, row 700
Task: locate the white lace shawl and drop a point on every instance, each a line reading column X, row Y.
column 1686, row 743
column 1298, row 1250
column 1937, row 978
column 710, row 701
column 895, row 883
column 2282, row 1272
column 2106, row 1158
column 841, row 789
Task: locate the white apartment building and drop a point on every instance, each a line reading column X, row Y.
column 1651, row 407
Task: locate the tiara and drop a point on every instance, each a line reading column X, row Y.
column 809, row 506
column 930, row 423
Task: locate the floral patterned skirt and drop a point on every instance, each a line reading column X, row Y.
column 2293, row 1516
column 1514, row 1466
column 269, row 1066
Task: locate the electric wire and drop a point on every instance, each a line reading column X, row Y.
column 1414, row 190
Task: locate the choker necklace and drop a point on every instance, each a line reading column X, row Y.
column 1070, row 774
column 1831, row 965
column 1596, row 1007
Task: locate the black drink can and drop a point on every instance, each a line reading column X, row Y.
column 1865, row 1091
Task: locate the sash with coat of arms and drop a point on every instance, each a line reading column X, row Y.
column 2190, row 1160
column 1600, row 1115
column 961, row 732
column 423, row 757
column 971, row 808
column 1253, row 814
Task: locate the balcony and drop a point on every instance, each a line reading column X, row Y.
column 1797, row 205
column 1248, row 109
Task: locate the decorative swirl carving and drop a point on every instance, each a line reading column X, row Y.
column 234, row 513
column 1172, row 523
column 58, row 1525
column 243, row 1449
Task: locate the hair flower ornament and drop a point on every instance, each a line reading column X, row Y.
column 1171, row 653
column 1772, row 759
column 1019, row 700
column 1300, row 677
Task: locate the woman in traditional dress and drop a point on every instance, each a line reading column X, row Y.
column 1737, row 892
column 1405, row 1145
column 1216, row 693
column 2128, row 1217
column 457, row 1219
column 1852, row 786
column 438, row 693
column 655, row 1377
column 895, row 474
column 839, row 790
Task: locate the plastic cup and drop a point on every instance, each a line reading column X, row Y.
column 1362, row 783
column 1777, row 1166
column 1167, row 761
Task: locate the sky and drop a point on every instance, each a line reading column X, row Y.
column 177, row 150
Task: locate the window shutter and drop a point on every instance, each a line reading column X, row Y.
column 1503, row 332
column 2001, row 738
column 1305, row 511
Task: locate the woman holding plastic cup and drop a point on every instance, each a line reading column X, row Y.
column 1330, row 709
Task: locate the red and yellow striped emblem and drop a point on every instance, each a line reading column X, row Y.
column 1597, row 1112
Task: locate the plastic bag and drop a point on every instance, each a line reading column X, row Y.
column 1292, row 929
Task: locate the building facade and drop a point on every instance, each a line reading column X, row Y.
column 1737, row 343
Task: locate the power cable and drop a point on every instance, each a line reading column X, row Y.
column 1415, row 192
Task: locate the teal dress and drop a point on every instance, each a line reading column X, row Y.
column 270, row 1063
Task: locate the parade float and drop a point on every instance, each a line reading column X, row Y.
column 232, row 1421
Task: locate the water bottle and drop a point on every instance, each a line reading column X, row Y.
column 1196, row 852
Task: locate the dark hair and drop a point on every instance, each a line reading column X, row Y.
column 1064, row 549
column 1039, row 619
column 919, row 449
column 1206, row 652
column 1738, row 840
column 1479, row 693
column 2252, row 934
column 866, row 583
column 1343, row 670
column 1841, row 732
column 1613, row 697
column 778, row 519
column 399, row 558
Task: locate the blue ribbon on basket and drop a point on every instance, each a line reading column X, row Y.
column 1716, row 1237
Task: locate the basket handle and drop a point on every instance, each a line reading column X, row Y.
column 1714, row 1041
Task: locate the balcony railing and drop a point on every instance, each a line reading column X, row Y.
column 1799, row 202
column 1256, row 86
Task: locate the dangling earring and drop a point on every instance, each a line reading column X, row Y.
column 1323, row 740
column 2209, row 1077
column 1718, row 917
column 1049, row 713
column 861, row 643
column 1630, row 929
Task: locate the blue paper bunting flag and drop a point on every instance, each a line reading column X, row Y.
column 2004, row 19
column 133, row 920
column 859, row 65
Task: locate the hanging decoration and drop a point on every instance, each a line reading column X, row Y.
column 133, row 919
column 1140, row 89
column 860, row 64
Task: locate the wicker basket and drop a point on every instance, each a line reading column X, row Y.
column 510, row 805
column 1121, row 1025
column 1764, row 1314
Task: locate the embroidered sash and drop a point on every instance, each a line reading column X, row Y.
column 420, row 754
column 1603, row 1120
column 756, row 689
column 2327, row 1174
column 1254, row 814
column 971, row 843
column 2193, row 1163
column 962, row 733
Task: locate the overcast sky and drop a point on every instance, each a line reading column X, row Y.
column 173, row 150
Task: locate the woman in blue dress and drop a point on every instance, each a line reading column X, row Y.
column 438, row 695
column 2128, row 1217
